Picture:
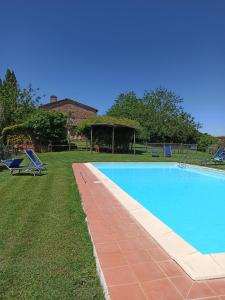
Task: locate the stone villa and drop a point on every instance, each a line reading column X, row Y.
column 77, row 111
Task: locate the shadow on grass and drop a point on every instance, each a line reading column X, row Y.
column 4, row 169
column 28, row 174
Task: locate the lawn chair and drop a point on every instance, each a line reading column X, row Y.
column 36, row 164
column 14, row 164
column 155, row 153
column 219, row 152
column 218, row 157
column 167, row 150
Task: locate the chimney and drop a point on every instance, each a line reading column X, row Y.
column 53, row 99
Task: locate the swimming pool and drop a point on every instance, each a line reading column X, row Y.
column 190, row 201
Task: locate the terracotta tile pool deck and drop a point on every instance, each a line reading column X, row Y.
column 132, row 265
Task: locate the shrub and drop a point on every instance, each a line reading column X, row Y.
column 207, row 141
column 13, row 131
column 47, row 127
column 41, row 128
column 222, row 140
column 19, row 140
column 2, row 156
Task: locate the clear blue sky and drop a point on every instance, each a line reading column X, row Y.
column 93, row 50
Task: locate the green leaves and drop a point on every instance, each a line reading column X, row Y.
column 160, row 114
column 43, row 127
column 46, row 127
column 13, row 130
column 19, row 106
column 127, row 106
column 8, row 99
column 16, row 104
column 86, row 124
column 206, row 140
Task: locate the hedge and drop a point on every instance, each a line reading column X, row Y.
column 42, row 127
column 14, row 130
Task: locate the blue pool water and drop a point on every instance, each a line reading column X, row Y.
column 190, row 201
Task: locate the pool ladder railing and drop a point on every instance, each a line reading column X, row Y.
column 183, row 162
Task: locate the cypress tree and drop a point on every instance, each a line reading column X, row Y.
column 8, row 98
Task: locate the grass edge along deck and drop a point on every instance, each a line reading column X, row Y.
column 197, row 265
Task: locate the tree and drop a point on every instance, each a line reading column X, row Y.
column 8, row 98
column 160, row 113
column 1, row 107
column 27, row 103
column 16, row 104
column 127, row 106
column 205, row 141
column 2, row 156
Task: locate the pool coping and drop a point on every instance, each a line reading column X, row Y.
column 197, row 265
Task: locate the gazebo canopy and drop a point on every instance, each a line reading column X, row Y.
column 87, row 126
column 109, row 121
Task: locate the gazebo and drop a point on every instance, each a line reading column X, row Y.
column 113, row 130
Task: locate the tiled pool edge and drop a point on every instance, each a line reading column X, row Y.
column 79, row 178
column 100, row 272
column 195, row 264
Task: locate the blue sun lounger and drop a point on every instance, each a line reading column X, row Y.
column 36, row 164
column 167, row 150
column 219, row 152
column 13, row 164
column 218, row 157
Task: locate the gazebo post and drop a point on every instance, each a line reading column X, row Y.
column 134, row 141
column 91, row 140
column 113, row 133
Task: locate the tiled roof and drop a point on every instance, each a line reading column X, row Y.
column 65, row 101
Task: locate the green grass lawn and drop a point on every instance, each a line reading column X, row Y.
column 45, row 248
